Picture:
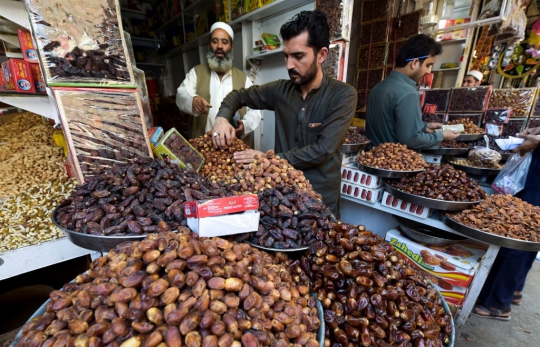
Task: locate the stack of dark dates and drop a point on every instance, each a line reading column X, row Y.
column 354, row 137
column 289, row 219
column 441, row 182
column 371, row 296
column 454, row 144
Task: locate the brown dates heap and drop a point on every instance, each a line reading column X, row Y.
column 183, row 151
column 470, row 127
column 441, row 182
column 503, row 215
column 179, row 290
column 392, row 156
column 289, row 219
column 453, row 144
column 142, row 197
column 371, row 297
column 354, row 137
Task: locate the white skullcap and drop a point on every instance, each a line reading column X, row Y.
column 476, row 74
column 224, row 26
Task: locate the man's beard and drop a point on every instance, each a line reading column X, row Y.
column 299, row 80
column 220, row 64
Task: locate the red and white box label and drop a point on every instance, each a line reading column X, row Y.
column 391, row 201
column 27, row 46
column 362, row 193
column 221, row 206
column 351, row 174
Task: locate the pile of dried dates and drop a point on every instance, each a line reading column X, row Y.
column 354, row 137
column 503, row 215
column 470, row 127
column 183, row 151
column 181, row 290
column 392, row 156
column 453, row 144
column 289, row 219
column 142, row 197
column 467, row 162
column 371, row 296
column 441, row 182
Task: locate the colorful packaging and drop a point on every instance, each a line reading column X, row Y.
column 179, row 150
column 221, row 206
column 351, row 174
column 7, row 77
column 271, row 41
column 21, row 76
column 38, row 78
column 2, row 82
column 155, row 134
column 27, row 46
column 362, row 193
column 455, row 264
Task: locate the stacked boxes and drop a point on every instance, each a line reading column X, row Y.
column 451, row 268
column 391, row 201
column 360, row 185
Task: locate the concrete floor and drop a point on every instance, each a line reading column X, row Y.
column 523, row 330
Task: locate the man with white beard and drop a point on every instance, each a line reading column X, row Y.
column 205, row 86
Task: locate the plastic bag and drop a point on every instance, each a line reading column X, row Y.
column 483, row 155
column 511, row 179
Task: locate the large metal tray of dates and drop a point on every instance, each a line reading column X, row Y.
column 469, row 137
column 93, row 242
column 475, row 170
column 443, row 151
column 428, row 202
column 347, row 148
column 490, row 238
column 386, row 173
column 276, row 249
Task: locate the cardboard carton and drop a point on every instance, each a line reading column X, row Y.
column 350, row 173
column 391, row 201
column 21, row 76
column 27, row 46
column 39, row 82
column 361, row 193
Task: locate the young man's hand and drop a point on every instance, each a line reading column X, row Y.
column 223, row 133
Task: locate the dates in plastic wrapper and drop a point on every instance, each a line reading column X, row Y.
column 102, row 127
column 437, row 97
column 339, row 16
column 520, row 100
column 81, row 43
column 469, row 99
column 333, row 66
column 497, row 115
column 371, row 57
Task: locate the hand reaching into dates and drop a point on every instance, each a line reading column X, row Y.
column 200, row 105
column 246, row 157
column 223, row 133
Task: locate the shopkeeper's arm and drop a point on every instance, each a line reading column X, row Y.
column 410, row 130
column 331, row 136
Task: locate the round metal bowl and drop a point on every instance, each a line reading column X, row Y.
column 320, row 315
column 490, row 238
column 428, row 202
column 475, row 170
column 469, row 137
column 452, row 338
column 386, row 173
column 427, row 234
column 276, row 249
column 93, row 242
column 444, row 151
column 347, row 148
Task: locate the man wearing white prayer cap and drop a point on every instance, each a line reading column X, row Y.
column 205, row 86
column 473, row 78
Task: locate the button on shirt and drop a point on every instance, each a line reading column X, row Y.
column 218, row 91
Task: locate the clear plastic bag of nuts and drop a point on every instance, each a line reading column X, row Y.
column 484, row 155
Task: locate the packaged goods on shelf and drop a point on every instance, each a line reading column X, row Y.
column 82, row 45
column 25, row 218
column 174, row 146
column 520, row 100
column 497, row 115
column 406, row 207
column 27, row 46
column 155, row 134
column 371, row 195
column 21, row 75
column 223, row 216
column 102, row 127
column 351, row 174
column 339, row 16
column 39, row 83
column 7, row 78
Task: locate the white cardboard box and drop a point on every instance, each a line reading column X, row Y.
column 350, row 173
column 225, row 224
column 391, row 201
column 361, row 193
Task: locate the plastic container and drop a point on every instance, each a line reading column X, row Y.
column 179, row 150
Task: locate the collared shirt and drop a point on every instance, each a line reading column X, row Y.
column 309, row 132
column 393, row 114
column 218, row 91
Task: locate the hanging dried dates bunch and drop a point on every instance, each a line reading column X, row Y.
column 392, row 156
column 289, row 219
column 142, row 197
column 179, row 290
column 371, row 297
column 503, row 215
column 441, row 182
column 354, row 137
column 470, row 127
